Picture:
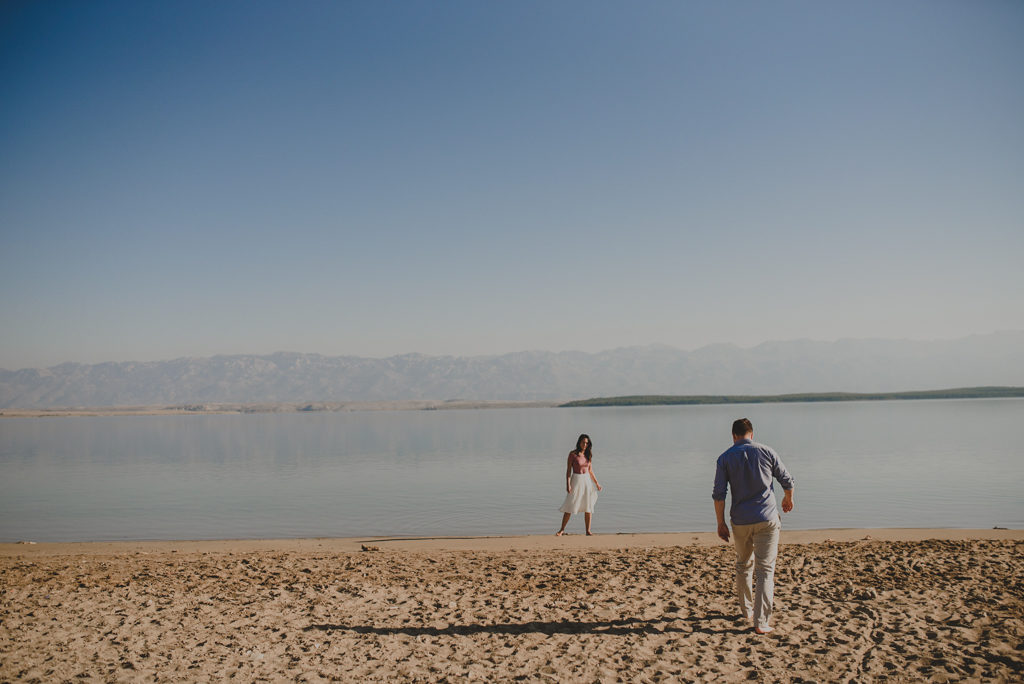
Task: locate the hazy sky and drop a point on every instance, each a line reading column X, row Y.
column 374, row 178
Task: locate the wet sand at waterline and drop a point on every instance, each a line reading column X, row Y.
column 868, row 604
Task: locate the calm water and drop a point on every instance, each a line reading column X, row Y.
column 870, row 464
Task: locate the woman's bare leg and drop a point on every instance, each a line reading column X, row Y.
column 586, row 521
column 565, row 521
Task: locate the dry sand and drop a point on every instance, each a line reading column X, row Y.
column 850, row 604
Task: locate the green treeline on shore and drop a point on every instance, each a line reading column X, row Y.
column 699, row 399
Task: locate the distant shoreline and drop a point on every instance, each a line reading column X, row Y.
column 218, row 408
column 711, row 399
column 223, row 408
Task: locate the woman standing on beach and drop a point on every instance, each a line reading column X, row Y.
column 580, row 483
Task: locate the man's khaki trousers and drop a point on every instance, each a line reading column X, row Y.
column 757, row 546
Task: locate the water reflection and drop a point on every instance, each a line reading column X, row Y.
column 871, row 464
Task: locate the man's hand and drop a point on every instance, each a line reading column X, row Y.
column 787, row 501
column 723, row 529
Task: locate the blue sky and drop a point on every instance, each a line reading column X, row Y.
column 375, row 178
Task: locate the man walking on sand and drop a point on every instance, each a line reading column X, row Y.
column 748, row 468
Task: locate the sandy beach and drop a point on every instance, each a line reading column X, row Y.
column 937, row 605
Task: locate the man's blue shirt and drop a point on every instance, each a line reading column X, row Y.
column 748, row 468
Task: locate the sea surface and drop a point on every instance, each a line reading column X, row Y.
column 939, row 463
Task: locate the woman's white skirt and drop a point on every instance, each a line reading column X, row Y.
column 582, row 497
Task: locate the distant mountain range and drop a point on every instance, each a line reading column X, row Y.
column 769, row 368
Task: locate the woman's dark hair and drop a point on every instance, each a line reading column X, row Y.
column 586, row 452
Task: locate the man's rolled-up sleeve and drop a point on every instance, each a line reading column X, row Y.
column 718, row 493
column 781, row 474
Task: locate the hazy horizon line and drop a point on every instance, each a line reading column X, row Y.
column 652, row 345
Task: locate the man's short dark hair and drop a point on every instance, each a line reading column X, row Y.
column 742, row 427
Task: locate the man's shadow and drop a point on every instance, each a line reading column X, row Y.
column 689, row 624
